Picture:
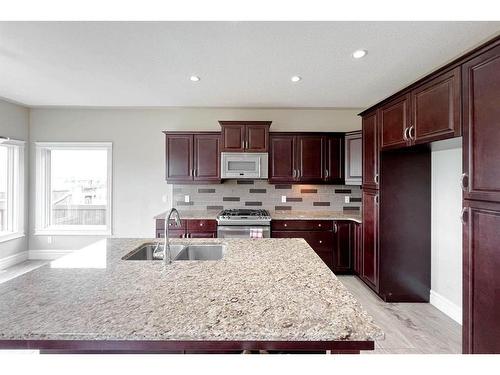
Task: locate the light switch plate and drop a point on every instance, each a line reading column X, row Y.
column 283, row 199
column 347, row 199
column 186, row 198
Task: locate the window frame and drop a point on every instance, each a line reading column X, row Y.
column 42, row 187
column 16, row 186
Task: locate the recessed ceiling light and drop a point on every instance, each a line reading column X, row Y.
column 295, row 78
column 359, row 53
column 194, row 78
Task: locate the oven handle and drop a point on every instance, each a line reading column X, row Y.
column 234, row 228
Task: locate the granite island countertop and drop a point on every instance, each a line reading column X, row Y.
column 265, row 289
column 276, row 215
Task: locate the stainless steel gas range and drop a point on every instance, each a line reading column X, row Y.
column 244, row 223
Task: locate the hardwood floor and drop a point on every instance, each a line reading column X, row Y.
column 410, row 328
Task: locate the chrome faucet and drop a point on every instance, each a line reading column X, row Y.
column 167, row 254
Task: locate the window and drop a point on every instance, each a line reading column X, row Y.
column 73, row 188
column 11, row 190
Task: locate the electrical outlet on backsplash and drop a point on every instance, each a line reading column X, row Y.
column 261, row 194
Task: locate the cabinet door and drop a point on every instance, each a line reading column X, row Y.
column 233, row 137
column 334, row 160
column 311, row 151
column 177, row 233
column 343, row 247
column 370, row 141
column 282, row 158
column 370, row 238
column 179, row 157
column 481, row 283
column 206, row 157
column 436, row 107
column 257, row 138
column 353, row 158
column 394, row 121
column 481, row 97
column 357, row 254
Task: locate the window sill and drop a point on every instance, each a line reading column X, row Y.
column 11, row 236
column 60, row 232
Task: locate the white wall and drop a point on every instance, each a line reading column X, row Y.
column 139, row 186
column 446, row 237
column 14, row 123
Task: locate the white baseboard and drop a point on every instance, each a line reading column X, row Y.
column 445, row 305
column 48, row 254
column 13, row 259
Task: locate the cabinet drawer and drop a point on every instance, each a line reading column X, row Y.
column 160, row 224
column 201, row 225
column 326, row 225
column 202, row 235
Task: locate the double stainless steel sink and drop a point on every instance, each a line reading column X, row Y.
column 179, row 252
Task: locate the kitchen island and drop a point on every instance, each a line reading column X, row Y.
column 265, row 294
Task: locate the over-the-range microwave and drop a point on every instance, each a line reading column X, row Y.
column 244, row 165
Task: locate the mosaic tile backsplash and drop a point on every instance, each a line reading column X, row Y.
column 261, row 194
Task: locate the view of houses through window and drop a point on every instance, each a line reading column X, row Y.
column 3, row 189
column 78, row 187
column 11, row 188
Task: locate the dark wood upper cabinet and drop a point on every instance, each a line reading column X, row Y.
column 335, row 160
column 179, row 156
column 394, row 123
column 282, row 158
column 481, row 116
column 192, row 157
column 245, row 136
column 370, row 252
column 370, row 151
column 481, row 282
column 257, row 137
column 436, row 108
column 306, row 158
column 311, row 151
column 206, row 157
column 233, row 138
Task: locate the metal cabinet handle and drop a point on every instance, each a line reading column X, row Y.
column 462, row 215
column 327, row 173
column 285, row 225
column 405, row 136
column 410, row 130
column 462, row 181
column 375, row 178
column 320, row 241
column 319, row 225
column 335, row 228
column 242, row 144
column 376, row 199
column 201, row 224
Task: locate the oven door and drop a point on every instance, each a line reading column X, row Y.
column 243, row 231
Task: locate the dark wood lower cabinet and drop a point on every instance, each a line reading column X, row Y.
column 343, row 247
column 358, row 248
column 370, row 254
column 481, row 281
column 333, row 241
column 190, row 228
